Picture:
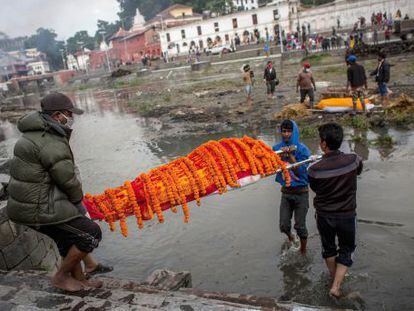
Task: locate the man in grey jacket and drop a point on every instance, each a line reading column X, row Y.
column 45, row 193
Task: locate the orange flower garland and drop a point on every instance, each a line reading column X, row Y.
column 155, row 204
column 134, row 204
column 240, row 163
column 211, row 167
column 247, row 152
column 193, row 184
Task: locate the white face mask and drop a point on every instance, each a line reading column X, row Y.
column 69, row 121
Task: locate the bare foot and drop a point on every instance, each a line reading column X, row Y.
column 92, row 283
column 66, row 283
column 335, row 292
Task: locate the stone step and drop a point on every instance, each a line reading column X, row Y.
column 33, row 290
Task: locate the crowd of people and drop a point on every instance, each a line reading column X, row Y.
column 380, row 22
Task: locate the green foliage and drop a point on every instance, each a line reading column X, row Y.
column 384, row 141
column 315, row 59
column 167, row 98
column 315, row 2
column 45, row 41
column 150, row 8
column 359, row 139
column 358, row 122
column 74, row 45
column 107, row 29
column 308, row 131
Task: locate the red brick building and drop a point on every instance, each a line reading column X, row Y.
column 142, row 38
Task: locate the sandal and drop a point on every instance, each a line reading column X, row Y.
column 100, row 268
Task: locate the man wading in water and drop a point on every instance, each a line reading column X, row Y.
column 295, row 199
column 334, row 181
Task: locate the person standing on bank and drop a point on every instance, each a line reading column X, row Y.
column 306, row 83
column 248, row 79
column 334, row 181
column 45, row 193
column 295, row 198
column 382, row 77
column 357, row 81
column 269, row 77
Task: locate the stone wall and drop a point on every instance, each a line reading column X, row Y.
column 22, row 248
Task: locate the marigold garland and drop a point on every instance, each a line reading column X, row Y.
column 229, row 161
column 224, row 168
column 194, row 171
column 240, row 163
column 134, row 204
column 211, row 167
column 193, row 184
column 174, row 188
column 248, row 154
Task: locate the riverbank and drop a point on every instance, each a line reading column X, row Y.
column 213, row 101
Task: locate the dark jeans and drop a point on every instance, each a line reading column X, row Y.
column 297, row 204
column 303, row 94
column 271, row 85
column 344, row 228
column 81, row 231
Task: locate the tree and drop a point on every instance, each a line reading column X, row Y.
column 45, row 41
column 148, row 8
column 219, row 7
column 73, row 44
column 107, row 28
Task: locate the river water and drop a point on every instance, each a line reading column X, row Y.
column 232, row 242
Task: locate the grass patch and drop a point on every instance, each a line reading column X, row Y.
column 83, row 87
column 315, row 59
column 167, row 98
column 140, row 106
column 308, row 131
column 399, row 118
column 360, row 122
column 335, row 70
column 119, row 84
column 384, row 141
column 359, row 139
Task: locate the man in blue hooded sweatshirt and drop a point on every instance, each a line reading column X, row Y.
column 295, row 199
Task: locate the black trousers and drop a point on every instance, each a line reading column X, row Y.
column 296, row 205
column 344, row 228
column 81, row 231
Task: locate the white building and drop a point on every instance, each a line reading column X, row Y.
column 38, row 67
column 325, row 17
column 223, row 29
column 72, row 62
column 83, row 60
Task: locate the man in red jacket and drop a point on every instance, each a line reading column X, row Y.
column 334, row 181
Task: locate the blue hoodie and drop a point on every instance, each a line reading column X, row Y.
column 299, row 178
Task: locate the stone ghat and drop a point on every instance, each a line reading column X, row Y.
column 31, row 290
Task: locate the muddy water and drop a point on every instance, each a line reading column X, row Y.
column 232, row 242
